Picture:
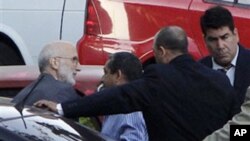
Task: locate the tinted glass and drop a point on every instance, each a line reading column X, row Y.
column 44, row 127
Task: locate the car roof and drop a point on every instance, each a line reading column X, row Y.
column 38, row 124
column 9, row 112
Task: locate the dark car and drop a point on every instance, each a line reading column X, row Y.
column 41, row 125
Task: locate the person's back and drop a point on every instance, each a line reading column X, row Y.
column 47, row 88
column 242, row 118
column 57, row 75
column 194, row 100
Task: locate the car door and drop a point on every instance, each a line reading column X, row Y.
column 26, row 25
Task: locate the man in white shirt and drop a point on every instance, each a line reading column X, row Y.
column 222, row 40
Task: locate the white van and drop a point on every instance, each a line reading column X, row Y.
column 26, row 25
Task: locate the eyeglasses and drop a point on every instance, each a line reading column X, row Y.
column 73, row 59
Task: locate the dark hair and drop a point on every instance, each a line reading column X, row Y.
column 128, row 63
column 215, row 18
column 173, row 38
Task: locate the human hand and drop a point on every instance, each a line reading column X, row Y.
column 46, row 104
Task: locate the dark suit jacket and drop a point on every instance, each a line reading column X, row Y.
column 242, row 72
column 242, row 118
column 180, row 101
column 48, row 88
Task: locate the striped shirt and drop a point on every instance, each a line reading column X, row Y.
column 125, row 127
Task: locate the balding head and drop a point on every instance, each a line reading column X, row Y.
column 54, row 49
column 170, row 42
column 59, row 58
column 173, row 38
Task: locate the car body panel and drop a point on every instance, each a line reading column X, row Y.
column 127, row 33
column 130, row 25
column 29, row 24
column 40, row 125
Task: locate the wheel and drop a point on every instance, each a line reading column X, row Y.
column 9, row 55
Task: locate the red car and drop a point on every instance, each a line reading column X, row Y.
column 130, row 25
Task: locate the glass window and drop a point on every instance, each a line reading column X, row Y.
column 244, row 1
column 228, row 0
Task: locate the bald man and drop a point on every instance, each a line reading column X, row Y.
column 58, row 63
column 181, row 100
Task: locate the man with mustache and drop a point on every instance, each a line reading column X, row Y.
column 58, row 64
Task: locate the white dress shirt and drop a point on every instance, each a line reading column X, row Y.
column 231, row 71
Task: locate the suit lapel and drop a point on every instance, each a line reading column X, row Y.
column 240, row 69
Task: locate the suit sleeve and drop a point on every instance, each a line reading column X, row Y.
column 243, row 117
column 127, row 98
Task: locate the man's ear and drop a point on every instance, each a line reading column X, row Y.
column 235, row 32
column 120, row 78
column 204, row 36
column 119, row 74
column 162, row 51
column 54, row 63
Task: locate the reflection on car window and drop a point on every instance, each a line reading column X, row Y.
column 228, row 0
column 236, row 2
column 244, row 1
column 44, row 129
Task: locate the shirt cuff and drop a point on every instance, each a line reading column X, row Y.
column 59, row 109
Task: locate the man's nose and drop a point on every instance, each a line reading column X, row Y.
column 102, row 78
column 220, row 43
column 77, row 67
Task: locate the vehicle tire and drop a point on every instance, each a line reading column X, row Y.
column 9, row 55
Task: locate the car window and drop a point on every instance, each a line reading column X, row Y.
column 236, row 2
column 40, row 125
column 9, row 92
column 39, row 129
column 244, row 2
column 6, row 135
column 228, row 0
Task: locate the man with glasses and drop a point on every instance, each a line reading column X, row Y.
column 181, row 100
column 227, row 55
column 58, row 64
